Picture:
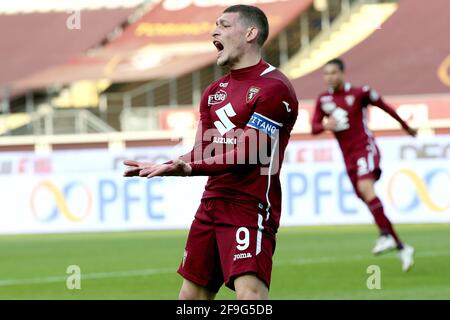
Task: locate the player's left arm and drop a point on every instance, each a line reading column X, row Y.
column 273, row 110
column 375, row 99
column 317, row 125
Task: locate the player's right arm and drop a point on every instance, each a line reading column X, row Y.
column 375, row 99
column 317, row 125
column 135, row 168
column 204, row 124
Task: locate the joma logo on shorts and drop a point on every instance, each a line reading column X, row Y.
column 242, row 256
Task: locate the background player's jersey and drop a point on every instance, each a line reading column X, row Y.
column 349, row 107
column 257, row 98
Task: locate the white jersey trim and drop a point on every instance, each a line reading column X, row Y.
column 268, row 119
column 259, row 234
column 270, row 68
column 370, row 140
column 269, row 178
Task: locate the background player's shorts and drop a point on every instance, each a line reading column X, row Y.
column 228, row 238
column 363, row 164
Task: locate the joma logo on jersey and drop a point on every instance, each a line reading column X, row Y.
column 216, row 98
column 251, row 93
column 242, row 256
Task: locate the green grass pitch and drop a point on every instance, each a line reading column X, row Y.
column 326, row 262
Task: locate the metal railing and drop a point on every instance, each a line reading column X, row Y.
column 157, row 118
column 52, row 122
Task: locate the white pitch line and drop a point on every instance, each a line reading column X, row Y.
column 325, row 259
column 149, row 272
column 88, row 276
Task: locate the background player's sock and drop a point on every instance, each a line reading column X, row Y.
column 383, row 223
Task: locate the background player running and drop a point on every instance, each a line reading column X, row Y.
column 246, row 113
column 342, row 109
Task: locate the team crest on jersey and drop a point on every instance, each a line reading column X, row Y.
column 216, row 98
column 350, row 100
column 251, row 93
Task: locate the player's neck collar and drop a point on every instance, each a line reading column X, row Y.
column 245, row 72
column 345, row 88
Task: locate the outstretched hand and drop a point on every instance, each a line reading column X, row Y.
column 175, row 168
column 412, row 131
column 135, row 167
column 330, row 124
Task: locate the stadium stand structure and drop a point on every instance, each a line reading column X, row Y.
column 36, row 41
column 145, row 82
column 404, row 58
column 33, row 42
column 353, row 26
column 408, row 55
column 165, row 58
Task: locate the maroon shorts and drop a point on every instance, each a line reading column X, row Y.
column 228, row 238
column 364, row 164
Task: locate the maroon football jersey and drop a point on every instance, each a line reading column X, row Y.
column 349, row 107
column 257, row 100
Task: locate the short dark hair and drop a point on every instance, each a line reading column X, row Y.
column 253, row 16
column 337, row 62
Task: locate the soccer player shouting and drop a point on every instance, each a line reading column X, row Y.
column 345, row 109
column 244, row 115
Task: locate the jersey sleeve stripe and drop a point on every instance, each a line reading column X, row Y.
column 268, row 119
column 264, row 124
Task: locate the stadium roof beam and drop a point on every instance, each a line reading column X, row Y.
column 150, row 98
column 173, row 100
column 29, row 107
column 196, row 88
column 324, row 10
column 283, row 47
column 345, row 6
column 5, row 105
column 304, row 23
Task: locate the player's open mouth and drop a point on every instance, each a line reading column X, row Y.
column 219, row 46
